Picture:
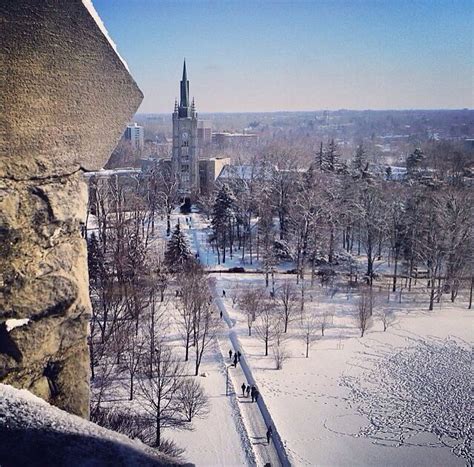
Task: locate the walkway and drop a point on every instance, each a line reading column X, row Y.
column 256, row 416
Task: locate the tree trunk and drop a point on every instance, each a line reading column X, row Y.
column 470, row 293
column 187, row 349
column 131, row 387
column 168, row 224
column 395, row 268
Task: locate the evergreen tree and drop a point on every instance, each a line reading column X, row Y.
column 330, row 157
column 414, row 161
column 222, row 219
column 359, row 160
column 321, row 156
column 177, row 253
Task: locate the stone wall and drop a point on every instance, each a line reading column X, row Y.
column 66, row 98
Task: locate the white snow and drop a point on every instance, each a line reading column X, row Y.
column 15, row 323
column 31, row 429
column 326, row 407
column 362, row 401
column 348, row 403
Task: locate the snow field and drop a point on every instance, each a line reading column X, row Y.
column 317, row 416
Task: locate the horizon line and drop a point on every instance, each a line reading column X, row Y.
column 406, row 109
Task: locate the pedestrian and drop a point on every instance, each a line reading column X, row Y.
column 230, row 352
column 269, row 433
column 256, row 395
column 238, row 355
column 221, row 314
column 223, row 293
column 244, row 387
column 248, row 390
column 252, row 393
column 235, row 360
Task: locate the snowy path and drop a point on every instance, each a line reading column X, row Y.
column 256, row 416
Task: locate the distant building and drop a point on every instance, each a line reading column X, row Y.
column 184, row 158
column 209, row 171
column 136, row 135
column 394, row 173
column 204, row 133
column 225, row 139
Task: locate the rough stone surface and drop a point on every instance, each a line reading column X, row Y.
column 66, row 97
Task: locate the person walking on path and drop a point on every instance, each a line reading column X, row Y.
column 223, row 293
column 221, row 314
column 269, row 433
column 248, row 390
column 252, row 393
column 244, row 387
column 256, row 395
column 230, row 354
column 235, row 360
column 238, row 355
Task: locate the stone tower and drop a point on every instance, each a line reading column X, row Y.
column 184, row 158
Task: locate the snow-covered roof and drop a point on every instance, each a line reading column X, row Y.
column 242, row 172
column 110, row 172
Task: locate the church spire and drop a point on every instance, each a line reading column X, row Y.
column 184, row 97
column 185, row 76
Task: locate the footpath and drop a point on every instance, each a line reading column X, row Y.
column 255, row 415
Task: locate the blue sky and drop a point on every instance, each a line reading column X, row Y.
column 297, row 55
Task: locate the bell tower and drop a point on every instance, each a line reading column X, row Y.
column 184, row 157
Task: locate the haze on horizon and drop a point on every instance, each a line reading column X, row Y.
column 303, row 55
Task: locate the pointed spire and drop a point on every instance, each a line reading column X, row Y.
column 184, row 95
column 185, row 77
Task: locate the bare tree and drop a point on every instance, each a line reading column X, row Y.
column 288, row 298
column 371, row 209
column 364, row 310
column 250, row 303
column 265, row 323
column 190, row 289
column 325, row 319
column 193, row 400
column 166, row 184
column 386, row 316
column 280, row 355
column 159, row 390
column 133, row 356
column 309, row 328
column 205, row 326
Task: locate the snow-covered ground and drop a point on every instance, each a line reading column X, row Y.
column 397, row 398
column 340, row 407
column 389, row 398
column 34, row 433
column 219, row 439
